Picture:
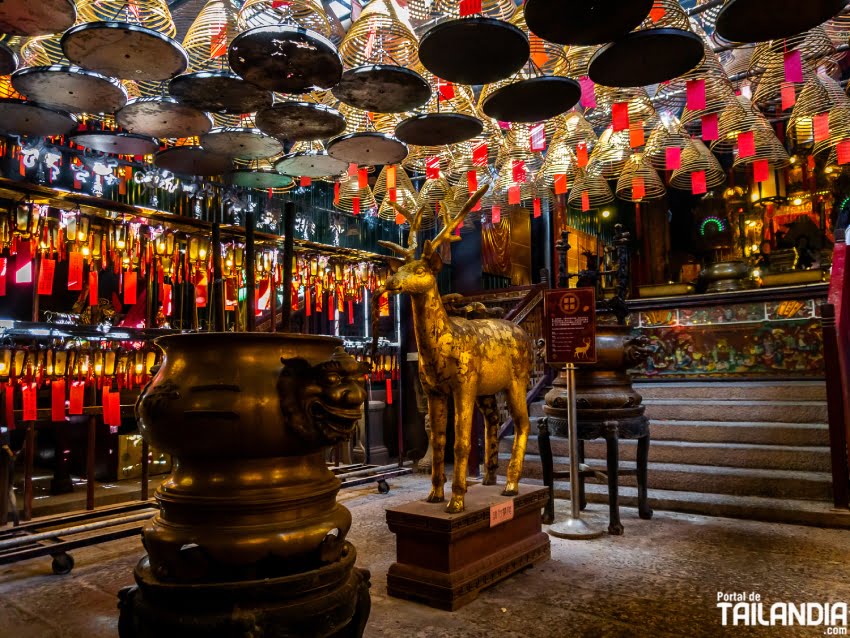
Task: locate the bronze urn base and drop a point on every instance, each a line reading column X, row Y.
column 250, row 540
column 608, row 407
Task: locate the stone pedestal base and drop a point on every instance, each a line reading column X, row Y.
column 444, row 560
column 330, row 602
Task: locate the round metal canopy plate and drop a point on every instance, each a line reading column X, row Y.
column 296, row 121
column 36, row 17
column 123, row 50
column 368, row 149
column 285, row 58
column 241, row 143
column 584, row 22
column 314, row 164
column 163, row 117
column 383, row 88
column 8, row 60
column 646, row 57
column 435, row 129
column 474, row 50
column 219, row 92
column 70, row 88
column 19, row 117
column 261, row 179
column 760, row 20
column 192, row 160
column 533, row 100
column 116, row 143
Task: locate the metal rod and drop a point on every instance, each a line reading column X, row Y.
column 90, row 457
column 218, row 281
column 145, row 470
column 28, row 539
column 288, row 253
column 370, row 470
column 250, row 273
column 704, row 7
column 29, row 462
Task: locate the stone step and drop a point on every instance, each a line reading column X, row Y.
column 743, row 455
column 772, row 411
column 709, row 478
column 741, row 432
column 748, row 390
column 784, row 510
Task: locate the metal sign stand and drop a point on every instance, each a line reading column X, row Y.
column 574, row 527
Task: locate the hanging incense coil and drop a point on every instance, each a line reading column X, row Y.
column 696, row 157
column 578, row 59
column 813, row 45
column 36, row 17
column 497, row 9
column 560, row 160
column 819, row 95
column 432, row 192
column 640, row 107
column 638, row 168
column 719, row 94
column 352, row 197
column 151, row 14
column 379, row 34
column 668, row 133
column 837, row 29
column 590, row 180
column 839, row 129
column 309, row 14
column 209, row 36
column 738, row 117
column 611, row 153
column 405, row 193
column 577, row 130
column 767, row 147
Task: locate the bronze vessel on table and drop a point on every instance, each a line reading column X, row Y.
column 250, row 540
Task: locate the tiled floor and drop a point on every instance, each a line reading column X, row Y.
column 660, row 579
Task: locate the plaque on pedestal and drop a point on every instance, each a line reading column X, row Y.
column 444, row 560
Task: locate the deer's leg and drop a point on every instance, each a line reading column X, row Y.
column 464, row 398
column 490, row 409
column 438, row 412
column 519, row 411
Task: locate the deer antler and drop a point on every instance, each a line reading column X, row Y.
column 415, row 221
column 450, row 224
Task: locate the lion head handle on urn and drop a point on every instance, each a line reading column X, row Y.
column 323, row 401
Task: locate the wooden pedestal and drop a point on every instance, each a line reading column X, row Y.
column 444, row 560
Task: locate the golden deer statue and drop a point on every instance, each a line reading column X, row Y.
column 467, row 360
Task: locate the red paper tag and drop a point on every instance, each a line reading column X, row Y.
column 166, row 300
column 57, row 396
column 581, row 154
column 92, row 287
column 331, row 307
column 399, row 219
column 432, row 168
column 746, row 144
column 479, row 155
column 130, row 287
column 23, row 263
column 305, row 181
column 114, row 409
column 308, row 303
column 391, row 177
column 588, row 93
column 638, row 188
column 45, row 276
column 536, row 207
column 336, row 192
column 560, row 183
column 820, row 127
column 657, row 12
column 75, row 271
column 538, row 137
column 389, row 391
column 620, row 116
column 447, row 89
column 698, row 183
column 673, row 158
column 585, row 201
column 355, row 205
column 810, row 162
column 696, row 95
column 9, row 402
column 75, row 404
column 469, row 7
column 350, row 312
column 218, row 43
column 789, row 95
column 392, row 193
column 709, row 127
column 514, row 194
column 495, row 215
column 362, row 178
column 518, row 171
column 761, row 170
column 793, row 66
column 842, row 150
column 636, row 137
column 3, row 275
column 29, row 401
column 472, row 181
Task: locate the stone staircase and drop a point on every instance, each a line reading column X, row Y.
column 756, row 450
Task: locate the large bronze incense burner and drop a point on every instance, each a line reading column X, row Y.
column 464, row 360
column 250, row 540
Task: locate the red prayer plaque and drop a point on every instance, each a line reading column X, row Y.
column 789, row 95
column 77, row 394
column 638, row 188
column 538, row 137
column 472, row 181
column 29, row 402
column 432, row 168
column 842, row 151
column 470, row 7
column 560, row 184
column 495, row 215
column 130, row 287
column 761, row 170
column 695, row 95
column 389, row 391
column 218, row 43
column 305, row 181
column 3, row 275
column 620, row 116
column 820, row 127
column 514, row 195
column 479, row 155
column 746, row 144
column 585, row 201
column 391, row 177
column 588, row 93
column 570, row 326
column 536, row 206
column 447, row 90
column 581, row 154
column 518, row 171
column 636, row 135
column 793, row 66
column 709, row 127
column 355, row 205
column 75, row 271
column 45, row 276
column 673, row 158
column 57, row 400
column 362, row 178
column 698, row 183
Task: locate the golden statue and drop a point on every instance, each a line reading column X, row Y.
column 467, row 360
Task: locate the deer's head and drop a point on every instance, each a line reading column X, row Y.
column 416, row 276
